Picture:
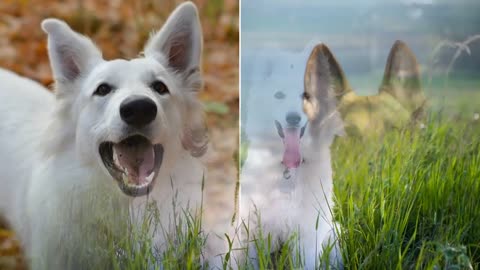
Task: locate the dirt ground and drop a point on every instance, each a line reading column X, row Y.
column 120, row 29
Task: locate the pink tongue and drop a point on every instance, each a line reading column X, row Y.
column 291, row 157
column 138, row 159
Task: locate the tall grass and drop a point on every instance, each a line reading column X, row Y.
column 114, row 235
column 411, row 202
column 183, row 248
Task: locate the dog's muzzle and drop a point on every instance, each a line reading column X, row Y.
column 133, row 162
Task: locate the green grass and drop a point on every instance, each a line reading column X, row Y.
column 411, row 202
column 288, row 256
column 183, row 248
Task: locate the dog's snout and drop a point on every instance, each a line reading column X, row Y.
column 293, row 118
column 138, row 111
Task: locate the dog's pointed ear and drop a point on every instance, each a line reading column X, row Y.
column 179, row 43
column 325, row 82
column 71, row 54
column 324, row 86
column 402, row 77
column 338, row 79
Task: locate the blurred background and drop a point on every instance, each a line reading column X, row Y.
column 444, row 35
column 120, row 28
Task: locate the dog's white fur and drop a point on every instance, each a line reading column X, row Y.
column 52, row 173
column 283, row 212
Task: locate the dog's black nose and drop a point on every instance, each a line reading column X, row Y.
column 293, row 118
column 138, row 111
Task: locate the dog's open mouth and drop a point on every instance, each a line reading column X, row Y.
column 133, row 162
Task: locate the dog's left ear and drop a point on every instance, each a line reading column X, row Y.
column 402, row 77
column 71, row 54
column 179, row 43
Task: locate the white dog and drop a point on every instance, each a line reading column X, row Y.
column 287, row 177
column 115, row 135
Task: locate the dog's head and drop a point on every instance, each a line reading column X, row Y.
column 275, row 110
column 400, row 100
column 128, row 116
column 319, row 99
column 274, row 90
column 289, row 120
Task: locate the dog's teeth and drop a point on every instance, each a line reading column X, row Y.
column 115, row 158
column 125, row 176
column 150, row 177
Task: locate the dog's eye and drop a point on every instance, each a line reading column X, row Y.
column 279, row 95
column 160, row 87
column 103, row 89
column 306, row 96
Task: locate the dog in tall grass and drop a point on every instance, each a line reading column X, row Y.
column 114, row 138
column 287, row 185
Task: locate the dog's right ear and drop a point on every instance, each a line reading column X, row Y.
column 402, row 77
column 179, row 43
column 325, row 83
column 71, row 54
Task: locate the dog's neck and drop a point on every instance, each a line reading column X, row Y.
column 317, row 170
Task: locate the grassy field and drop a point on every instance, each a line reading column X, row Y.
column 409, row 200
